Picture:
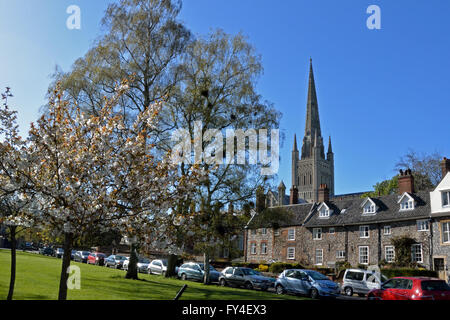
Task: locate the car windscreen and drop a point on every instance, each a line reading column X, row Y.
column 120, row 258
column 202, row 266
column 86, row 253
column 435, row 285
column 317, row 275
column 144, row 261
column 250, row 272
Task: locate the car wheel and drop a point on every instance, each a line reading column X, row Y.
column 279, row 289
column 248, row 285
column 348, row 291
column 314, row 293
column 184, row 277
column 222, row 282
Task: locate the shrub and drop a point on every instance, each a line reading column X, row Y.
column 342, row 265
column 263, row 268
column 279, row 267
column 407, row 272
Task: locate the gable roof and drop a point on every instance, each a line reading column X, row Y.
column 388, row 210
column 299, row 214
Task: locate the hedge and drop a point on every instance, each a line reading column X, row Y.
column 279, row 267
column 405, row 272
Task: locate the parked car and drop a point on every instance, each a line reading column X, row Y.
column 72, row 254
column 361, row 281
column 196, row 271
column 115, row 261
column 412, row 288
column 59, row 252
column 47, row 251
column 81, row 256
column 142, row 264
column 96, row 258
column 306, row 282
column 245, row 277
column 157, row 266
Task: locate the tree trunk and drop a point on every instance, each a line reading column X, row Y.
column 68, row 237
column 171, row 265
column 132, row 272
column 13, row 263
column 206, row 268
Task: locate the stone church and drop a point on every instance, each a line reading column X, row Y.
column 311, row 167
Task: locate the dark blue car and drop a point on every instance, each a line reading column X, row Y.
column 195, row 271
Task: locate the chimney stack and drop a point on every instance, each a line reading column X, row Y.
column 324, row 193
column 405, row 182
column 294, row 195
column 445, row 165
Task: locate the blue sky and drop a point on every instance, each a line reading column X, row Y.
column 380, row 92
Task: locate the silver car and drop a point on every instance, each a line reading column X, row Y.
column 158, row 266
column 306, row 282
column 142, row 265
column 361, row 281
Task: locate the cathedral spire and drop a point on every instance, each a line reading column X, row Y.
column 295, row 143
column 312, row 108
column 330, row 149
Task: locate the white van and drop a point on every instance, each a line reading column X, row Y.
column 361, row 281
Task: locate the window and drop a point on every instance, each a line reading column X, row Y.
column 263, row 248
column 446, row 198
column 369, row 208
column 423, row 225
column 253, row 248
column 364, row 255
column 317, row 233
column 263, row 231
column 331, row 231
column 387, row 230
column 277, row 232
column 291, row 253
column 354, row 275
column 364, row 231
column 407, row 204
column 229, row 271
column 417, row 253
column 340, row 254
column 291, row 234
column 319, row 256
column 324, row 212
column 253, row 231
column 446, row 232
column 389, row 254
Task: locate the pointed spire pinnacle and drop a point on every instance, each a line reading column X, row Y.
column 330, row 149
column 295, row 143
column 312, row 109
column 316, row 143
column 282, row 186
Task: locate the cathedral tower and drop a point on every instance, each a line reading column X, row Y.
column 313, row 168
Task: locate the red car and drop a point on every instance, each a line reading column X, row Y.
column 411, row 288
column 97, row 258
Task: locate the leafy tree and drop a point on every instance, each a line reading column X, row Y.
column 402, row 245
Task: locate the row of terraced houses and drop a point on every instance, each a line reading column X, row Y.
column 328, row 228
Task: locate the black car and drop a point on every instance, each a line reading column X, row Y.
column 81, row 256
column 115, row 261
column 46, row 251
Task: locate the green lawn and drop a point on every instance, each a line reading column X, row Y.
column 37, row 278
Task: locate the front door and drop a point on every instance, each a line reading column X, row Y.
column 439, row 267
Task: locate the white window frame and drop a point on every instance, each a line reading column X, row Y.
column 263, row 247
column 391, row 255
column 445, row 195
column 407, row 205
column 291, row 253
column 264, row 231
column 387, row 230
column 317, row 233
column 423, row 225
column 445, row 232
column 253, row 232
column 318, row 262
column 360, row 256
column 324, row 212
column 332, row 231
column 291, row 234
column 363, row 231
column 253, row 246
column 340, row 254
column 414, row 253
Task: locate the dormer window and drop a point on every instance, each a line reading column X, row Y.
column 369, row 206
column 324, row 211
column 446, row 198
column 406, row 202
